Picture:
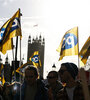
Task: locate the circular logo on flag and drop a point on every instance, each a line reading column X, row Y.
column 15, row 24
column 69, row 41
column 35, row 59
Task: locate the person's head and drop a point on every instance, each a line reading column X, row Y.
column 31, row 75
column 52, row 77
column 68, row 71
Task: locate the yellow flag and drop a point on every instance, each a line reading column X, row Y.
column 35, row 58
column 15, row 25
column 85, row 52
column 20, row 69
column 2, row 74
column 69, row 43
column 9, row 30
column 3, row 80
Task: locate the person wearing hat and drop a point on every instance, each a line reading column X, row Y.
column 73, row 89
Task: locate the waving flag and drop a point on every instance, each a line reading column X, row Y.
column 85, row 52
column 69, row 43
column 22, row 67
column 9, row 30
column 35, row 58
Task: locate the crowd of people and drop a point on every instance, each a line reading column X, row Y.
column 59, row 85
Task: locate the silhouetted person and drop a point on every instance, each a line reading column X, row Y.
column 7, row 92
column 53, row 85
column 73, row 89
column 32, row 88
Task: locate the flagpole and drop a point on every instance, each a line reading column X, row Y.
column 15, row 57
column 14, row 63
column 16, row 48
column 12, row 49
column 13, row 53
column 20, row 56
column 78, row 49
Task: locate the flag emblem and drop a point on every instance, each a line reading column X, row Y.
column 15, row 24
column 35, row 59
column 69, row 41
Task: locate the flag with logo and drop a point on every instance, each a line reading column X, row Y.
column 35, row 58
column 9, row 30
column 85, row 52
column 69, row 43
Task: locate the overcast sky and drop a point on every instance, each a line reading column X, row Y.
column 54, row 18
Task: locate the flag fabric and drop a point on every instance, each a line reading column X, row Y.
column 2, row 74
column 9, row 30
column 20, row 69
column 69, row 43
column 3, row 80
column 85, row 52
column 35, row 58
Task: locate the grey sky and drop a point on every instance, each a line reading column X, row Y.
column 28, row 7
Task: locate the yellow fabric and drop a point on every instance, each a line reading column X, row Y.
column 1, row 68
column 8, row 45
column 70, row 51
column 22, row 66
column 8, row 34
column 36, row 64
column 3, row 80
column 85, row 52
column 18, row 31
column 2, row 74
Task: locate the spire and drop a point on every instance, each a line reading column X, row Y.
column 23, row 57
column 6, row 59
column 29, row 39
column 43, row 41
column 40, row 39
column 54, row 67
column 33, row 40
column 36, row 39
column 22, row 60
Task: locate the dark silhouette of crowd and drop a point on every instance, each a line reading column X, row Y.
column 58, row 85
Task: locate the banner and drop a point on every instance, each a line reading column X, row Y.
column 9, row 30
column 69, row 43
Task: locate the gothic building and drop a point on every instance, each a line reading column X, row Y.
column 37, row 44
